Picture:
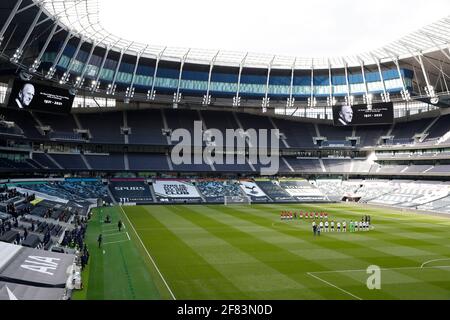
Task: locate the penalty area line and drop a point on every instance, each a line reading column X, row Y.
column 435, row 260
column 120, row 241
column 334, row 286
column 148, row 254
column 383, row 269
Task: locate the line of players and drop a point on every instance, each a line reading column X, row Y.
column 363, row 225
column 289, row 215
column 354, row 226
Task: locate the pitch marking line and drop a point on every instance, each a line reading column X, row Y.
column 364, row 270
column 120, row 241
column 109, row 228
column 385, row 269
column 151, row 259
column 429, row 261
column 334, row 286
column 113, row 234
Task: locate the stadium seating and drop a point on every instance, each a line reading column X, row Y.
column 370, row 135
column 69, row 161
column 43, row 160
column 104, row 127
column 215, row 191
column 297, row 134
column 57, row 122
column 440, row 169
column 439, row 128
column 146, row 127
column 245, row 167
column 181, row 119
column 304, row 165
column 440, row 205
column 408, row 130
column 335, row 133
column 10, row 164
column 73, row 190
column 24, row 120
column 337, row 165
column 148, row 162
column 109, row 162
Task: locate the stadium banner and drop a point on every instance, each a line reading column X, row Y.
column 131, row 190
column 273, row 190
column 14, row 291
column 82, row 179
column 363, row 114
column 252, row 190
column 26, row 95
column 36, row 267
column 168, row 190
column 215, row 190
column 302, row 190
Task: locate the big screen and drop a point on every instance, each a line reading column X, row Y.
column 27, row 95
column 361, row 114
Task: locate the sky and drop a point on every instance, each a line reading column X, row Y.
column 319, row 28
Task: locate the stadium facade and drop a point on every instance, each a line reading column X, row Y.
column 130, row 97
column 88, row 118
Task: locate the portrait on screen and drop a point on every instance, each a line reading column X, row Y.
column 25, row 96
column 345, row 115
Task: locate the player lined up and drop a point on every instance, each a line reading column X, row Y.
column 326, row 226
column 289, row 215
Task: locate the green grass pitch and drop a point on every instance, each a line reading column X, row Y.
column 247, row 252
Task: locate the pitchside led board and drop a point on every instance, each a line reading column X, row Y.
column 27, row 95
column 360, row 115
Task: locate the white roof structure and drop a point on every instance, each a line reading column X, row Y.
column 82, row 18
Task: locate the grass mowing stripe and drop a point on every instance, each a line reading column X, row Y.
column 244, row 216
column 190, row 274
column 148, row 254
column 252, row 277
column 291, row 265
column 334, row 286
column 229, row 251
column 339, row 239
column 116, row 271
column 398, row 233
column 127, row 273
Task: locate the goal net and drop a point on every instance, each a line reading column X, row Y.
column 228, row 200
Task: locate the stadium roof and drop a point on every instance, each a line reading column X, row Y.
column 83, row 18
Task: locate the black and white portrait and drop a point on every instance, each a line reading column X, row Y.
column 25, row 96
column 345, row 115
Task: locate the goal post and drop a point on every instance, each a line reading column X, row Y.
column 229, row 200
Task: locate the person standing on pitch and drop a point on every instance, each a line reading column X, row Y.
column 99, row 240
column 119, row 225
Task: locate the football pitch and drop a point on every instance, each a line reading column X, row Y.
column 247, row 252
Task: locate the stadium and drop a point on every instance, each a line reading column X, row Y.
column 134, row 171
